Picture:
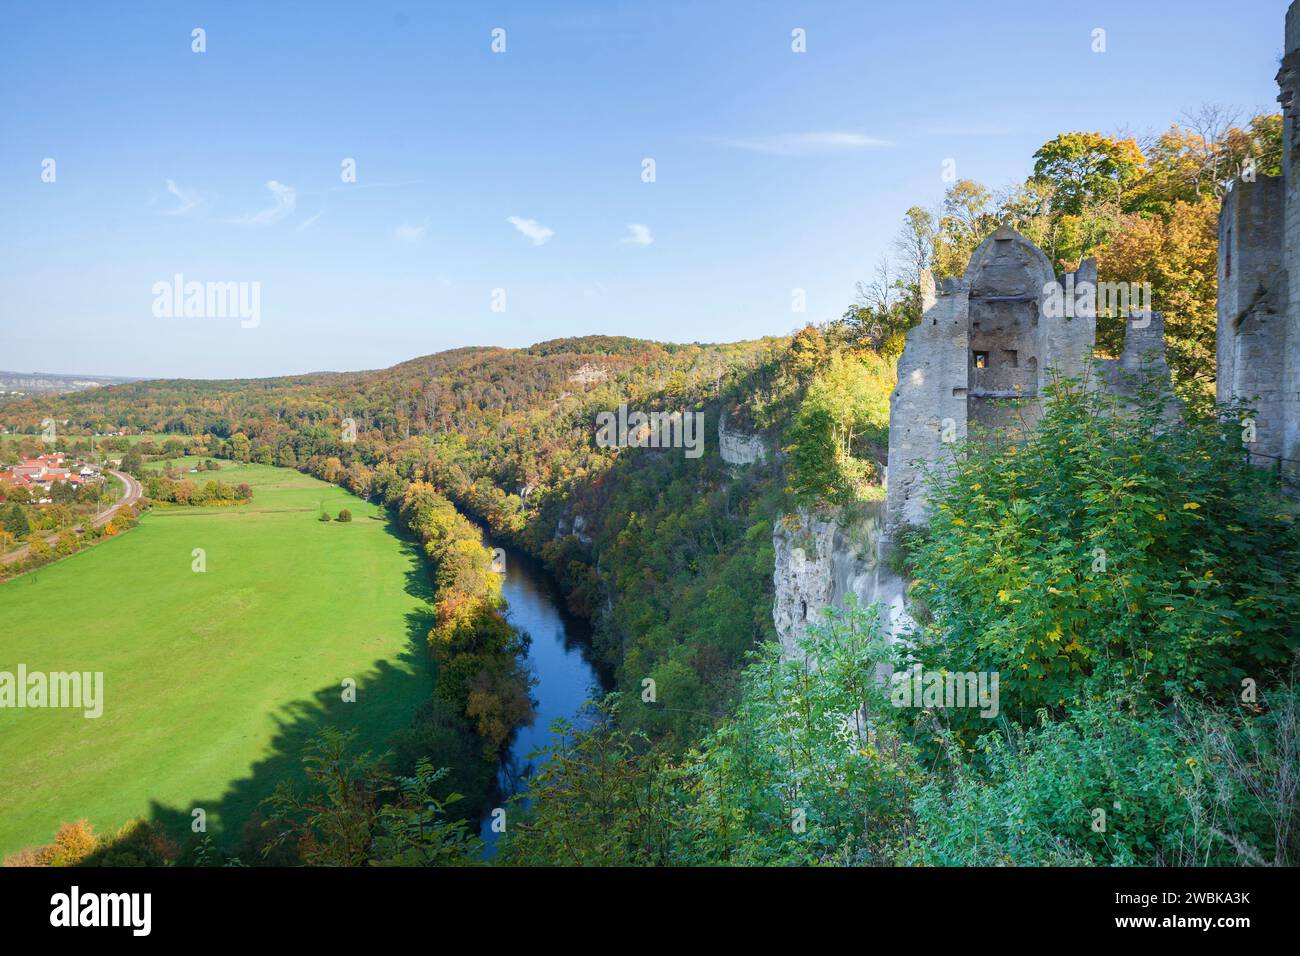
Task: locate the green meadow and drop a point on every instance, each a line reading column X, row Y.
column 212, row 680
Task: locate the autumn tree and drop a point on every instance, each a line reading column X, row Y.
column 240, row 447
column 1178, row 255
column 842, row 424
column 1088, row 168
column 968, row 214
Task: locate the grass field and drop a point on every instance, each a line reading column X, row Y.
column 211, row 680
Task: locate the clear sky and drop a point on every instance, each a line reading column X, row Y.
column 522, row 170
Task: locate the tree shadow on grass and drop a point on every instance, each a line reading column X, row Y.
column 388, row 694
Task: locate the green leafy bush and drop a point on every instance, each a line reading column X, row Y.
column 1114, row 783
column 1100, row 787
column 1108, row 549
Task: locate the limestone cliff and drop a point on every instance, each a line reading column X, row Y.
column 739, row 448
column 821, row 558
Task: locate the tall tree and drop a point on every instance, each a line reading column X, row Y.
column 1088, row 168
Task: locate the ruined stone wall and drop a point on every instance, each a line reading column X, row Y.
column 1258, row 347
column 1289, row 398
column 984, row 352
column 1066, row 342
column 929, row 402
column 1007, row 278
column 1252, row 327
column 978, row 357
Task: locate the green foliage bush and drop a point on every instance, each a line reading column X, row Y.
column 1116, row 783
column 1099, row 787
column 356, row 812
column 1109, row 550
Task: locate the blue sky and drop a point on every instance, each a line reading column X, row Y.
column 774, row 170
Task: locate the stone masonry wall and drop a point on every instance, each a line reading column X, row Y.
column 984, row 351
column 930, row 395
column 1289, row 80
column 1252, row 327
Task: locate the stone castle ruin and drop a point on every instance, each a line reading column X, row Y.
column 985, row 347
column 988, row 340
column 1259, row 307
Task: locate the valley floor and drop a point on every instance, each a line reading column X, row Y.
column 212, row 679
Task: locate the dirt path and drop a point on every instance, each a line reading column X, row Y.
column 133, row 494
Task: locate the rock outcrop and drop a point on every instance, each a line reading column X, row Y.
column 740, row 448
column 575, row 525
column 823, row 557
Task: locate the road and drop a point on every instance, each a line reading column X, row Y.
column 133, row 494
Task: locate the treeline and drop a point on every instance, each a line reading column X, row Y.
column 478, row 653
column 186, row 492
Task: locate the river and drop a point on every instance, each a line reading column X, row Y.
column 559, row 657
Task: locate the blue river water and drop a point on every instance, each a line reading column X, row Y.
column 560, row 659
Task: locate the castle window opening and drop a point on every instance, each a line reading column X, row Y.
column 981, row 359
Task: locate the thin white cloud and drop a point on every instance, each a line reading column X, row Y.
column 410, row 232
column 187, row 199
column 807, row 144
column 311, row 221
column 638, row 234
column 286, row 198
column 531, row 228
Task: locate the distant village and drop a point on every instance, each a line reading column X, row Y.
column 43, row 472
